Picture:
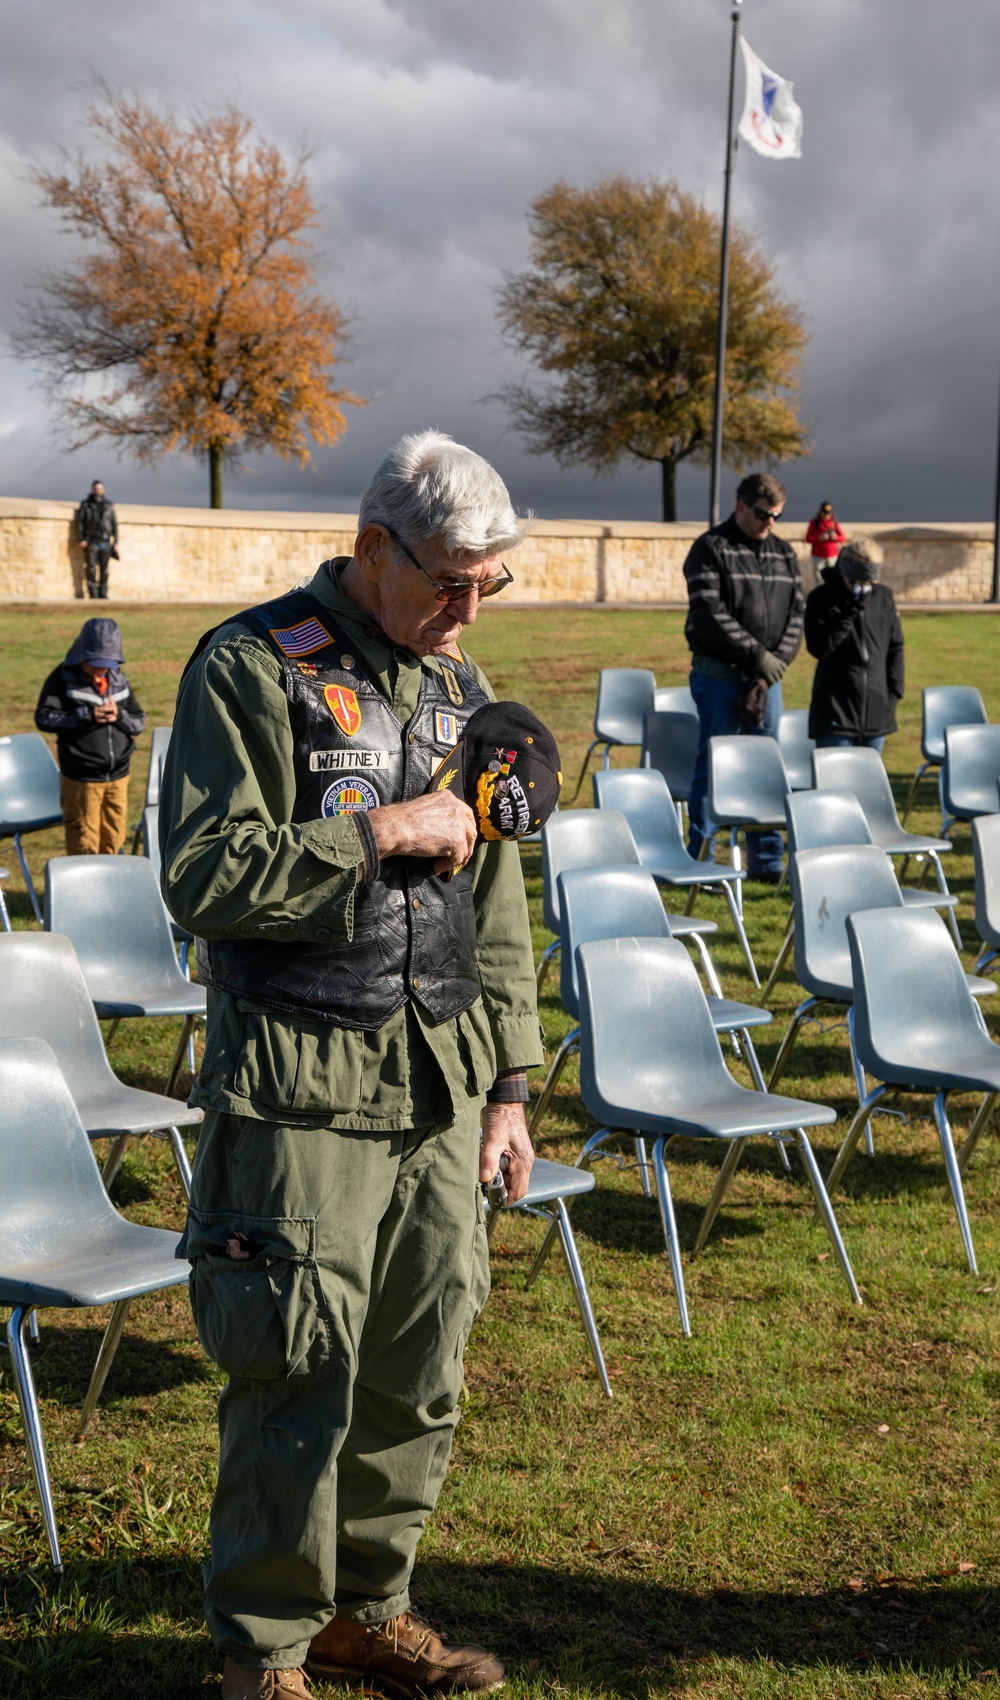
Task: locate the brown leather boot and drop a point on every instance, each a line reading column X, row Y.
column 240, row 1684
column 403, row 1655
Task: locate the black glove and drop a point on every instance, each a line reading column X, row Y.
column 771, row 668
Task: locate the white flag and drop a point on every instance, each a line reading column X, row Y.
column 771, row 121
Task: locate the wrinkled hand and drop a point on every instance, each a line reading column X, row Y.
column 771, row 668
column 505, row 1134
column 438, row 825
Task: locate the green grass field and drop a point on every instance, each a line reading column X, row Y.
column 799, row 1501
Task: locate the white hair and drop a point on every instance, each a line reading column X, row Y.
column 428, row 486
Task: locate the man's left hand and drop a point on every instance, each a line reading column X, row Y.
column 505, row 1134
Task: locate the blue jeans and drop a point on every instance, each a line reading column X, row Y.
column 834, row 741
column 719, row 716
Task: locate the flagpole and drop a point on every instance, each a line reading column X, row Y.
column 995, row 588
column 720, row 344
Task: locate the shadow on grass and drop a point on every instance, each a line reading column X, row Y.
column 92, row 1636
column 64, row 1360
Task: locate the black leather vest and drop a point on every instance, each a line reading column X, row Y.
column 414, row 934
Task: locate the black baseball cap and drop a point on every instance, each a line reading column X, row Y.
column 506, row 767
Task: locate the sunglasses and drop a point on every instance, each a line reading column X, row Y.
column 452, row 590
column 764, row 513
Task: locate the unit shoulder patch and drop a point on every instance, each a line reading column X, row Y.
column 343, row 705
column 452, row 686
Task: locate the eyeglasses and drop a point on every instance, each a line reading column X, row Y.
column 765, row 513
column 454, row 589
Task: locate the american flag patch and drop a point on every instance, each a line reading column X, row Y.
column 302, row 639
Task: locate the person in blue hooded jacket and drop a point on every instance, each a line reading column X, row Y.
column 90, row 706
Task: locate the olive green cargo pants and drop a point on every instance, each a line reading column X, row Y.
column 335, row 1278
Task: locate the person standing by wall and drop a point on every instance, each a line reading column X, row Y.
column 97, row 530
column 89, row 704
column 744, row 626
column 854, row 631
column 824, row 537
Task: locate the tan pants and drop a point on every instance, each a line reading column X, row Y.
column 96, row 815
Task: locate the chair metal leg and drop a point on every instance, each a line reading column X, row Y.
column 949, row 914
column 36, row 906
column 583, row 770
column 854, row 1133
column 753, row 1063
column 826, row 1211
column 27, row 1399
column 780, row 960
column 737, row 856
column 105, row 1358
column 954, row 1174
column 730, row 1163
column 112, row 1161
column 673, row 1244
column 175, row 1067
column 642, row 1160
column 116, row 1022
column 977, row 1128
column 4, row 917
column 570, row 1044
column 860, row 1081
column 917, row 777
column 582, row 1162
column 736, row 911
column 181, row 1159
column 581, row 1293
column 985, row 957
column 543, row 967
column 707, row 964
column 789, row 1040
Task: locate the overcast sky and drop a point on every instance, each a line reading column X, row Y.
column 433, row 125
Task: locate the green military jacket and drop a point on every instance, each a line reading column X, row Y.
column 235, row 866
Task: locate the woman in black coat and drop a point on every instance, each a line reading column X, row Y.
column 853, row 629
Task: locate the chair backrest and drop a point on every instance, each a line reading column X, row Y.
column 605, row 903
column 747, row 781
column 151, row 837
column 796, row 747
column 863, row 772
column 948, row 705
column 111, row 909
column 580, row 838
column 158, row 745
column 827, row 886
column 970, row 775
column 43, row 995
column 624, row 695
column 912, row 1004
column 646, row 1035
column 674, row 699
column 817, row 819
column 53, row 1196
column 641, row 794
column 29, row 782
column 986, row 856
column 670, row 743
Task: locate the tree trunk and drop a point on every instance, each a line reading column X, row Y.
column 668, row 469
column 215, row 474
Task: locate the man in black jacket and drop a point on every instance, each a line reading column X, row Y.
column 88, row 703
column 854, row 631
column 744, row 626
column 97, row 530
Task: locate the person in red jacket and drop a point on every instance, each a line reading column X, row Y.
column 825, row 537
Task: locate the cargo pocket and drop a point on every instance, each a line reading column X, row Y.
column 256, row 1294
column 310, row 1068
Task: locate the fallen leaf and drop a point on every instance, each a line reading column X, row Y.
column 534, row 1664
column 856, row 1583
column 986, row 1289
column 964, row 1567
column 883, row 1428
column 821, row 1256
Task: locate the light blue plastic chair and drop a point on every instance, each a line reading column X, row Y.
column 917, row 1030
column 62, row 1242
column 796, row 747
column 670, row 744
column 674, row 699
column 970, row 774
column 747, row 786
column 863, row 772
column 111, row 909
column 158, row 745
column 650, row 1064
column 642, row 797
column 624, row 696
column 943, row 706
column 986, row 857
column 29, row 795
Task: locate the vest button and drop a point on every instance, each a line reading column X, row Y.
column 415, row 982
column 410, row 738
column 322, row 933
column 416, row 903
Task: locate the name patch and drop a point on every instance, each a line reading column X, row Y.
column 348, row 796
column 338, row 761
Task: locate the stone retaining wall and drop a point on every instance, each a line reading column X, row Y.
column 196, row 555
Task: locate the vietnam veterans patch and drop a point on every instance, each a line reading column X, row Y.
column 348, row 796
column 343, row 705
column 303, row 639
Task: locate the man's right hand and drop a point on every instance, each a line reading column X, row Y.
column 771, row 668
column 438, row 825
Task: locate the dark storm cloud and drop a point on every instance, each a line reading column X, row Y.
column 433, row 124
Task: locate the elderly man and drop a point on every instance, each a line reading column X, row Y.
column 361, row 1008
column 744, row 626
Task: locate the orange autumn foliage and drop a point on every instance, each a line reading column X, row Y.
column 193, row 322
